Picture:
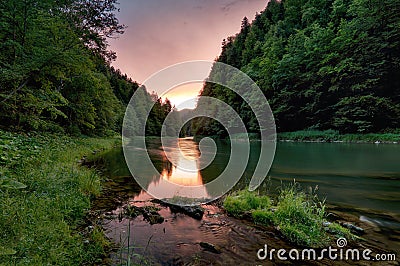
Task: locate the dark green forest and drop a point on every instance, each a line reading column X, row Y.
column 55, row 67
column 321, row 64
column 328, row 64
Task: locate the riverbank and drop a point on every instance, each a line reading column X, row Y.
column 45, row 196
column 321, row 136
column 335, row 136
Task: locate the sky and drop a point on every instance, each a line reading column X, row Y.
column 161, row 33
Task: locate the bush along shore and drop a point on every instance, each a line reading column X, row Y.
column 335, row 136
column 392, row 137
column 300, row 218
column 44, row 197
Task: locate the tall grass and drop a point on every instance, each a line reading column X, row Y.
column 40, row 221
column 300, row 217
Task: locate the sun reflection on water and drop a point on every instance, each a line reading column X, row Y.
column 185, row 172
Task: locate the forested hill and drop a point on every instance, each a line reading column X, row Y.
column 55, row 72
column 327, row 64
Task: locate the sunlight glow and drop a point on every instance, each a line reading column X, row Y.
column 184, row 96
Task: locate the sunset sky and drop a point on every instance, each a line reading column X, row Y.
column 165, row 32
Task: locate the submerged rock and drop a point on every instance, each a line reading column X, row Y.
column 326, row 224
column 210, row 247
column 353, row 228
column 195, row 212
column 132, row 211
column 150, row 213
column 153, row 217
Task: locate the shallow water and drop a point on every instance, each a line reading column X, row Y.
column 360, row 182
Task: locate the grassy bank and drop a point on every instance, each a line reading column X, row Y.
column 299, row 217
column 334, row 136
column 44, row 197
column 322, row 136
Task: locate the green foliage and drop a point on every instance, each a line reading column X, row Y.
column 339, row 231
column 7, row 251
column 365, row 114
column 55, row 70
column 310, row 135
column 333, row 135
column 149, row 114
column 300, row 217
column 40, row 220
column 14, row 147
column 244, row 201
column 10, row 184
column 321, row 64
column 262, row 217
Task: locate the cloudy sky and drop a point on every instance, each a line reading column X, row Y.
column 165, row 32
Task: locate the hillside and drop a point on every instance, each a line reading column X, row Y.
column 321, row 64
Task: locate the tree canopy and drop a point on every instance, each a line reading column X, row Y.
column 55, row 72
column 329, row 64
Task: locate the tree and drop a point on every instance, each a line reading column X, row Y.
column 331, row 64
column 55, row 66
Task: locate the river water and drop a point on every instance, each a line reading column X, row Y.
column 360, row 182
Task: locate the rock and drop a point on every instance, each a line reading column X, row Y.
column 355, row 229
column 150, row 213
column 132, row 211
column 195, row 212
column 326, row 224
column 210, row 247
column 152, row 216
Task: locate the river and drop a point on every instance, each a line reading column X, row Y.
column 360, row 182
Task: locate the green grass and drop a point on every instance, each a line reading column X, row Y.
column 239, row 203
column 262, row 217
column 332, row 135
column 45, row 200
column 339, row 231
column 298, row 216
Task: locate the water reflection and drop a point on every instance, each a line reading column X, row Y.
column 184, row 171
column 358, row 175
